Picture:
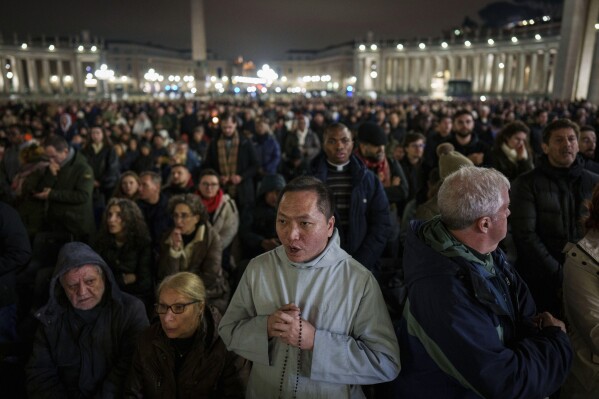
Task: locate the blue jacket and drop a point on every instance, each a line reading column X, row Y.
column 459, row 342
column 268, row 153
column 370, row 220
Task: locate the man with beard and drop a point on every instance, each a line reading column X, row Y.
column 547, row 206
column 466, row 142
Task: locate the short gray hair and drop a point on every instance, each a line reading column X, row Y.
column 469, row 194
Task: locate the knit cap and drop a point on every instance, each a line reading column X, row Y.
column 450, row 160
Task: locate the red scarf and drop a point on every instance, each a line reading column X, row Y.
column 380, row 168
column 212, row 203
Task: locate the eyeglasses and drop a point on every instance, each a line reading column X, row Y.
column 182, row 216
column 176, row 308
column 208, row 185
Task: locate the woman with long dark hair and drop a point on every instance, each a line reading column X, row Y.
column 123, row 241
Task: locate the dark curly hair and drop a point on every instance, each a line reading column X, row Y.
column 136, row 229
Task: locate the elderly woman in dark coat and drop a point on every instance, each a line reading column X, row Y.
column 193, row 246
column 183, row 356
column 124, row 242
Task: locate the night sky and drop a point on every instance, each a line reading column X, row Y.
column 259, row 30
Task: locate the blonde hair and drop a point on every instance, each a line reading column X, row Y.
column 185, row 283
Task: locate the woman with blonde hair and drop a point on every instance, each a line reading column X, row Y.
column 183, row 356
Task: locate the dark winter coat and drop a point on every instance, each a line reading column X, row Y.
column 70, row 200
column 247, row 167
column 15, row 252
column 458, row 341
column 369, row 218
column 208, row 371
column 77, row 357
column 547, row 204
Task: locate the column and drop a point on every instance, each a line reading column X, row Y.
column 425, row 81
column 198, row 31
column 3, row 83
column 17, row 75
column 32, row 75
column 45, row 80
column 594, row 81
column 78, row 79
column 394, row 73
column 575, row 55
column 532, row 78
column 507, row 76
column 478, row 81
column 520, row 73
column 495, row 71
column 60, row 74
column 406, row 74
column 451, row 62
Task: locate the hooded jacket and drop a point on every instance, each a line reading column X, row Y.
column 208, row 371
column 83, row 353
column 467, row 332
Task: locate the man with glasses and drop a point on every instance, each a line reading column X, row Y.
column 88, row 330
column 361, row 205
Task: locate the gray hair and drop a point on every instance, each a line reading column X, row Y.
column 469, row 194
column 97, row 267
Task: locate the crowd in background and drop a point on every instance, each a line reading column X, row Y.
column 159, row 187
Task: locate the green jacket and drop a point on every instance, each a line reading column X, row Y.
column 69, row 205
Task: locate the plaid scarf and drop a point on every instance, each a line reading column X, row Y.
column 227, row 160
column 381, row 168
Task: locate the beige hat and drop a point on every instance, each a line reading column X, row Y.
column 450, row 160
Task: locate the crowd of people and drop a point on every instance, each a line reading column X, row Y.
column 300, row 248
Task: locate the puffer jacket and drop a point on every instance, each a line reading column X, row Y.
column 547, row 204
column 208, row 371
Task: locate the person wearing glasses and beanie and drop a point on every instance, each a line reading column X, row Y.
column 193, row 246
column 182, row 356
